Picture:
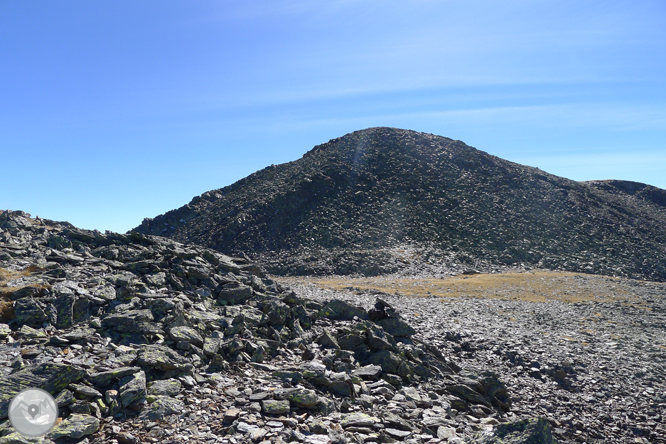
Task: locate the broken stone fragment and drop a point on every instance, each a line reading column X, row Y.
column 387, row 360
column 162, row 358
column 236, row 295
column 133, row 321
column 396, row 327
column 342, row 311
column 102, row 379
column 29, row 311
column 351, row 340
column 64, row 398
column 371, row 372
column 75, row 426
column 531, row 430
column 468, row 394
column 27, row 332
column 211, row 346
column 275, row 407
column 187, row 334
column 85, row 390
column 327, row 340
column 341, row 385
column 5, row 330
column 359, row 420
column 132, row 388
column 50, row 377
column 165, row 387
column 160, row 407
column 304, row 398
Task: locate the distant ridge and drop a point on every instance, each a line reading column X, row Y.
column 386, row 200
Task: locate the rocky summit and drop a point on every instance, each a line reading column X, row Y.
column 142, row 339
column 385, row 200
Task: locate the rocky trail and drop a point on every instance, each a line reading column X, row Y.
column 143, row 339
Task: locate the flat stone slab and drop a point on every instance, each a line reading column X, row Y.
column 50, row 377
column 75, row 426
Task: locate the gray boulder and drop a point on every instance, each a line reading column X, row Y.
column 526, row 431
column 50, row 377
column 342, row 311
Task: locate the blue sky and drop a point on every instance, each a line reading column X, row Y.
column 112, row 111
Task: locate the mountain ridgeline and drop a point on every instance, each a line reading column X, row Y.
column 386, row 200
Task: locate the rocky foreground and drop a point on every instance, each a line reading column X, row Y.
column 595, row 369
column 143, row 339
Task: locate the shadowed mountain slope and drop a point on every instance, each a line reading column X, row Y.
column 382, row 199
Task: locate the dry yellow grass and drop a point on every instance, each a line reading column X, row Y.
column 6, row 304
column 534, row 286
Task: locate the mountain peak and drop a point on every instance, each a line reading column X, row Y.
column 352, row 204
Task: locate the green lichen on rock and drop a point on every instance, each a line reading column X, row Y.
column 132, row 388
column 106, row 377
column 304, row 398
column 387, row 360
column 187, row 334
column 133, row 321
column 75, row 427
column 162, row 406
column 51, row 377
column 17, row 438
column 162, row 358
column 396, row 327
column 526, row 431
column 165, row 387
column 275, row 407
column 359, row 420
column 342, row 311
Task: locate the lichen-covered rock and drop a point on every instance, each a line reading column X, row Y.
column 5, row 330
column 50, row 377
column 132, row 388
column 165, row 387
column 396, row 327
column 30, row 312
column 526, row 431
column 342, row 311
column 85, row 390
column 275, row 407
column 387, row 360
column 359, row 420
column 304, row 398
column 351, row 340
column 187, row 334
column 160, row 407
column 328, row 340
column 278, row 313
column 162, row 358
column 102, row 379
column 133, row 321
column 17, row 438
column 64, row 305
column 236, row 295
column 75, row 426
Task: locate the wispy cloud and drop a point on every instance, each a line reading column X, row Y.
column 635, row 164
column 581, row 115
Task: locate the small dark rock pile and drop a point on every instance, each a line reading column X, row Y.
column 143, row 339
